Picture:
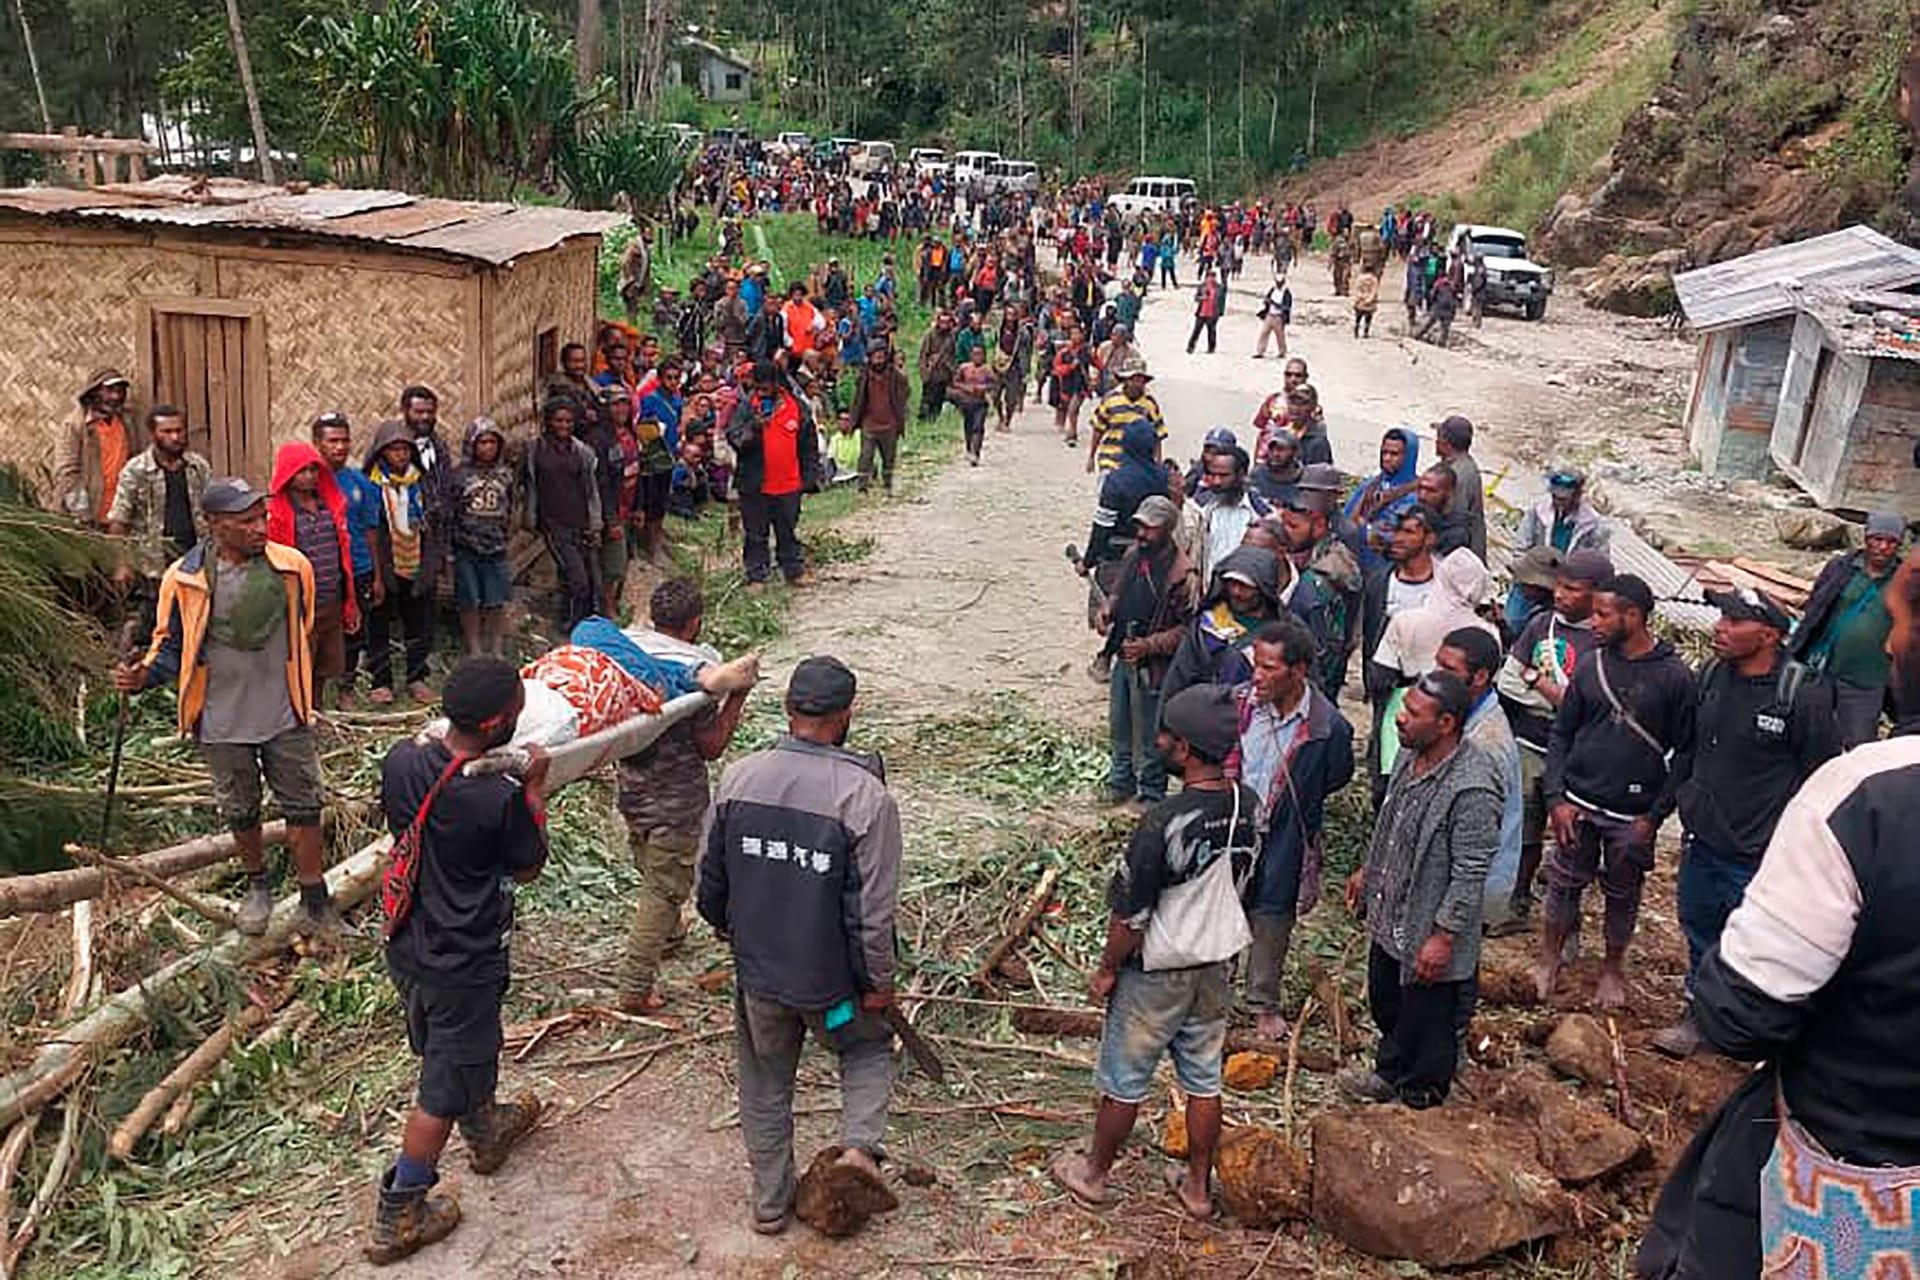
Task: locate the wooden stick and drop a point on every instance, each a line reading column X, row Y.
column 1267, row 1252
column 1012, row 1046
column 52, row 890
column 50, row 1186
column 1036, row 902
column 1623, row 1102
column 193, row 1068
column 10, row 1153
column 627, row 1055
column 1293, row 1065
column 219, row 914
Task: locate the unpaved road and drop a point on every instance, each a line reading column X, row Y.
column 966, row 594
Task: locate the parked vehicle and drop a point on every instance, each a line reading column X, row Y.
column 1154, row 196
column 688, row 137
column 729, row 139
column 1513, row 278
column 971, row 165
column 1013, row 175
column 869, row 158
column 789, row 144
column 929, row 161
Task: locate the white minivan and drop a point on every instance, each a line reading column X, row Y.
column 871, row 158
column 1013, row 175
column 970, row 165
column 1154, row 195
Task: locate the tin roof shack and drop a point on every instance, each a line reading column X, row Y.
column 256, row 308
column 1743, row 310
column 1848, row 426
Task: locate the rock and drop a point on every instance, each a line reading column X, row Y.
column 836, row 1199
column 1432, row 1187
column 919, row 1176
column 1580, row 1143
column 1249, row 1071
column 1173, row 1138
column 1635, row 286
column 1811, row 530
column 1579, row 1047
column 1263, row 1179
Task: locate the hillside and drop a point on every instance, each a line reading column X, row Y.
column 1646, row 139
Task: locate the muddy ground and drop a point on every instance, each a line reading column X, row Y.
column 965, row 599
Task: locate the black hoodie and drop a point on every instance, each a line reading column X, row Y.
column 1597, row 759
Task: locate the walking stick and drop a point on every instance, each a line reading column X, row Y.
column 129, row 636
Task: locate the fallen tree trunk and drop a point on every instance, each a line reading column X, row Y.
column 62, row 1061
column 53, row 890
column 1011, row 940
column 179, row 1082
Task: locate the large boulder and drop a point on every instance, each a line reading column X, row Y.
column 1248, row 1071
column 1263, row 1179
column 1434, row 1187
column 1580, row 1047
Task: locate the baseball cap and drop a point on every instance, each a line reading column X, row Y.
column 1565, row 478
column 1321, row 477
column 331, row 418
column 230, row 496
column 1156, row 511
column 1586, row 566
column 1283, row 436
column 1539, row 567
column 1744, row 604
column 820, row 686
column 1222, row 438
column 1207, row 717
column 1886, row 524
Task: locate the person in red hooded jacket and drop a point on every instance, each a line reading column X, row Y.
column 307, row 511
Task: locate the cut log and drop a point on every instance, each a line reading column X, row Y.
column 216, row 912
column 1023, row 925
column 193, row 1068
column 571, row 761
column 52, row 890
column 64, row 1059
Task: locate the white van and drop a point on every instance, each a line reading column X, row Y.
column 1013, row 175
column 871, row 158
column 928, row 161
column 969, row 165
column 1154, row 195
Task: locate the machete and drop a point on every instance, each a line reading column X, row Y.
column 916, row 1045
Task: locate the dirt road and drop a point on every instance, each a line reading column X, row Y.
column 966, row 595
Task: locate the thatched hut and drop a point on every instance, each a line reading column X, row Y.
column 257, row 308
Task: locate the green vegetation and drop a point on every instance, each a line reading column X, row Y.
column 1520, row 184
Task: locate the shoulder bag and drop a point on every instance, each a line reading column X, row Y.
column 401, row 879
column 1200, row 921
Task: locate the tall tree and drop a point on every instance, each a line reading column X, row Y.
column 239, row 34
column 586, row 42
column 33, row 65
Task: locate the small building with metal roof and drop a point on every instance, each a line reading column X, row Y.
column 1744, row 312
column 257, row 308
column 1848, row 427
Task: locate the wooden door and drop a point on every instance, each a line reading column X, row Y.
column 207, row 359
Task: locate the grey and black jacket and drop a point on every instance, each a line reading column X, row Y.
column 800, row 869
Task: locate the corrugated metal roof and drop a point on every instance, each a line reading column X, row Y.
column 1762, row 285
column 1881, row 325
column 474, row 231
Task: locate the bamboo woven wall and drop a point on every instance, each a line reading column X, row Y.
column 349, row 338
column 556, row 289
column 64, row 313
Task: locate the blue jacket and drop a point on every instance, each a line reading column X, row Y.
column 1322, row 764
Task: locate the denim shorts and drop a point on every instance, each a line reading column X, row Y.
column 1182, row 1011
column 481, row 582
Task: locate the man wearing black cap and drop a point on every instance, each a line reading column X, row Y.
column 1154, row 595
column 1842, row 636
column 1761, row 729
column 1175, row 924
column 801, row 875
column 777, row 452
column 1329, row 564
column 1420, row 894
column 234, row 633
column 1620, row 739
column 1532, row 683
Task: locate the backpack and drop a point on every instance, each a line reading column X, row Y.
column 401, row 879
column 1787, row 683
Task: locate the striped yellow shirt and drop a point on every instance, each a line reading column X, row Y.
column 1114, row 415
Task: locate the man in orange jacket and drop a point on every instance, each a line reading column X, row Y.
column 235, row 625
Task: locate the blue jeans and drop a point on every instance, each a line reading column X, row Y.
column 1133, row 720
column 1709, row 887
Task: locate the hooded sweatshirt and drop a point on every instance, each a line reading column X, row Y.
column 1214, row 650
column 1597, row 760
column 1372, row 511
column 1413, row 636
column 402, row 501
column 1136, row 478
column 482, row 496
column 283, row 525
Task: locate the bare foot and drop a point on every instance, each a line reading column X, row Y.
column 1546, row 974
column 1194, row 1196
column 1075, row 1172
column 1270, row 1026
column 1611, row 991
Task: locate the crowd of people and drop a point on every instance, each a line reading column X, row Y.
column 1542, row 739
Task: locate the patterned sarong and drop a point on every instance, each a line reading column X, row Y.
column 1823, row 1219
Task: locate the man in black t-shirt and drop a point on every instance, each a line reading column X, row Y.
column 1165, row 975
column 448, row 955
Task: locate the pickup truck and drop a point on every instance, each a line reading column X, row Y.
column 1513, row 279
